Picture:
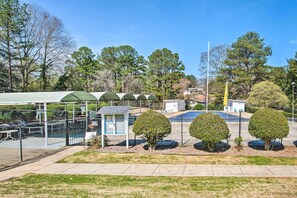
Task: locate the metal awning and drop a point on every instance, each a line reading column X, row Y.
column 150, row 97
column 106, row 96
column 126, row 96
column 139, row 96
column 45, row 97
column 114, row 110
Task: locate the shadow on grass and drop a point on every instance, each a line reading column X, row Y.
column 259, row 145
column 164, row 145
column 219, row 147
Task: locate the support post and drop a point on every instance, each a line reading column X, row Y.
column 87, row 115
column 39, row 116
column 21, row 143
column 102, row 129
column 239, row 131
column 127, row 129
column 181, row 130
column 45, row 125
column 140, row 105
column 73, row 113
column 67, row 128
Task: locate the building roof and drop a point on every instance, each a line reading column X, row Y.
column 139, row 96
column 45, row 97
column 240, row 101
column 114, row 110
column 106, row 96
column 126, row 96
column 150, row 97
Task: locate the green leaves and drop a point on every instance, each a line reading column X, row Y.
column 246, row 59
column 267, row 94
column 152, row 125
column 165, row 69
column 268, row 124
column 210, row 128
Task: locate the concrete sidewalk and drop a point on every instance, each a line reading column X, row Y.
column 40, row 164
column 47, row 165
column 171, row 170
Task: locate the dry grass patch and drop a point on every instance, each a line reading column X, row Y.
column 95, row 157
column 130, row 186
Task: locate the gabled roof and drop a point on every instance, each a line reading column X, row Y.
column 106, row 96
column 45, row 97
column 114, row 110
column 126, row 96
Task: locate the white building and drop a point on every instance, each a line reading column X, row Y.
column 236, row 105
column 174, row 105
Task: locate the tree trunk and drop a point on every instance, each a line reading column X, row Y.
column 9, row 63
column 267, row 144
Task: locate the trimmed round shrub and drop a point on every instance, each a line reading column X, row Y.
column 198, row 107
column 153, row 126
column 267, row 125
column 210, row 129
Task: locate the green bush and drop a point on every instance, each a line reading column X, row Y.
column 250, row 109
column 92, row 107
column 77, row 109
column 188, row 107
column 267, row 125
column 198, row 106
column 238, row 141
column 56, row 111
column 153, row 126
column 96, row 141
column 4, row 119
column 102, row 104
column 210, row 128
column 211, row 107
column 18, row 112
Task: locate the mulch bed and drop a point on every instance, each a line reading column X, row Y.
column 279, row 151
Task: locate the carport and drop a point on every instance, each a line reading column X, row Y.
column 45, row 98
column 106, row 96
column 140, row 98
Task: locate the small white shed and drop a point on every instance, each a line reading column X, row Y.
column 174, row 105
column 236, row 105
column 115, row 121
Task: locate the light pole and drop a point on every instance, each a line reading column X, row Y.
column 293, row 85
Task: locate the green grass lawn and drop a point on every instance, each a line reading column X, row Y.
column 91, row 156
column 131, row 186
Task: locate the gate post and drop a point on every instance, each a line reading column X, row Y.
column 67, row 128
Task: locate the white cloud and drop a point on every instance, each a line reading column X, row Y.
column 293, row 41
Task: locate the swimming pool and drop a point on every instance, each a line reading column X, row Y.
column 190, row 116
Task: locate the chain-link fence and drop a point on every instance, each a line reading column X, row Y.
column 26, row 134
column 237, row 124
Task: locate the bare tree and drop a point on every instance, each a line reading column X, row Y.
column 104, row 81
column 57, row 45
column 218, row 55
column 28, row 46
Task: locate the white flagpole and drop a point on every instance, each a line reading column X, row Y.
column 207, row 79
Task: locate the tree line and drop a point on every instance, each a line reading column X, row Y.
column 37, row 53
column 243, row 65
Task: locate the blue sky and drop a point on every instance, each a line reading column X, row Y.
column 183, row 26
